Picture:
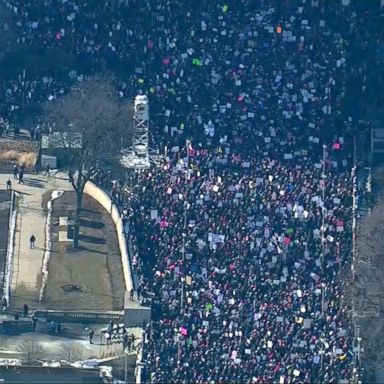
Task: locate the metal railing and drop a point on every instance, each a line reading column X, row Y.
column 81, row 317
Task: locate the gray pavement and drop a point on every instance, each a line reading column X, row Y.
column 31, row 219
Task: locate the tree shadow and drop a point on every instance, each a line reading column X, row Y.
column 92, row 224
column 89, row 210
column 92, row 239
column 82, row 248
column 34, row 183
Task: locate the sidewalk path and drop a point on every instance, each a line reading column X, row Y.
column 31, row 219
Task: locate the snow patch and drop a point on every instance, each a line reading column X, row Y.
column 48, row 243
column 10, row 252
column 10, row 362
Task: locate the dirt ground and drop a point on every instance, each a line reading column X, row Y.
column 4, row 222
column 90, row 278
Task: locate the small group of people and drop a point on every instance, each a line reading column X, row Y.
column 114, row 333
column 56, row 327
column 19, row 171
column 129, row 342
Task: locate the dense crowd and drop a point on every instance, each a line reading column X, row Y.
column 261, row 299
column 243, row 235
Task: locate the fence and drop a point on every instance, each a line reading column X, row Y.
column 80, row 317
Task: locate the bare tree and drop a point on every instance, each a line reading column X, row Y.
column 92, row 122
column 31, row 350
column 70, row 353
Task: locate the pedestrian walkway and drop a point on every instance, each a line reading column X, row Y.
column 31, row 219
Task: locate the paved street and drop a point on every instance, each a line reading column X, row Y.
column 31, row 219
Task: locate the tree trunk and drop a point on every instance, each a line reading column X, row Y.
column 79, row 202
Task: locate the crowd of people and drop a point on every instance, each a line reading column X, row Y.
column 243, row 236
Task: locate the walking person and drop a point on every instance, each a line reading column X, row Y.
column 110, row 326
column 91, row 333
column 15, row 171
column 125, row 342
column 37, row 168
column 34, row 323
column 32, row 241
column 9, row 184
column 25, row 310
column 21, row 176
column 4, row 304
column 116, row 331
column 47, row 170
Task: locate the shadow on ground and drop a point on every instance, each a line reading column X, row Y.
column 92, row 224
column 34, row 183
column 92, row 239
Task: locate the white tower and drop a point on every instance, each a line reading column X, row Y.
column 141, row 126
column 137, row 157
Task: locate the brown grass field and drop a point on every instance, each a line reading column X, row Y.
column 17, row 152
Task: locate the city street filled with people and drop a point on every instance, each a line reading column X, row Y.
column 243, row 236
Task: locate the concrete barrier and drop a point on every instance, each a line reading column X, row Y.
column 101, row 197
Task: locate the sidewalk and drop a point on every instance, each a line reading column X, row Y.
column 31, row 219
